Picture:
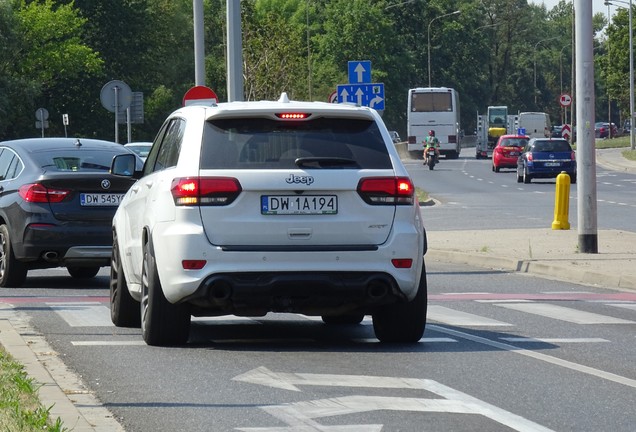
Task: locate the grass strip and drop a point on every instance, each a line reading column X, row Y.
column 20, row 407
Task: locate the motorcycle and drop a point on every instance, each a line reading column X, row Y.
column 431, row 157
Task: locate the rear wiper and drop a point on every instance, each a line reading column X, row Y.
column 325, row 162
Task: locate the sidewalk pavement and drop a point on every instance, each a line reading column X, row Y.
column 546, row 252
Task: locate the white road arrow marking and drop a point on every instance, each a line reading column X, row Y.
column 299, row 416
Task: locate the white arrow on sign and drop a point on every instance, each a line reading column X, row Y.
column 299, row 416
column 376, row 100
column 344, row 94
column 360, row 70
column 359, row 94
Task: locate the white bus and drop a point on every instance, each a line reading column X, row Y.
column 434, row 108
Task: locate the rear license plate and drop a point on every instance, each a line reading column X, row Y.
column 299, row 204
column 100, row 199
column 514, row 153
column 552, row 164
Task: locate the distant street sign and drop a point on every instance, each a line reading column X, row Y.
column 200, row 94
column 115, row 96
column 360, row 72
column 42, row 114
column 333, row 97
column 371, row 95
column 565, row 100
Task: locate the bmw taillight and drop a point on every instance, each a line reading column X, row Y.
column 205, row 191
column 37, row 193
column 386, row 190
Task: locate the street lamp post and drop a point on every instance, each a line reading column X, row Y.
column 631, row 72
column 535, row 66
column 429, row 41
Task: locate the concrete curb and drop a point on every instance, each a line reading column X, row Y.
column 566, row 273
column 60, row 389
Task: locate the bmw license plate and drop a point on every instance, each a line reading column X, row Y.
column 100, row 199
column 299, row 204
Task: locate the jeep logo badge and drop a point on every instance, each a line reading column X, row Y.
column 299, row 179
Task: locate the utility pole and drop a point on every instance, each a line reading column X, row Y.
column 585, row 142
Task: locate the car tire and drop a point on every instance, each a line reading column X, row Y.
column 124, row 310
column 527, row 178
column 519, row 177
column 83, row 272
column 12, row 272
column 162, row 323
column 403, row 322
column 573, row 179
column 353, row 318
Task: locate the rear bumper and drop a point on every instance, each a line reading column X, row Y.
column 63, row 245
column 310, row 293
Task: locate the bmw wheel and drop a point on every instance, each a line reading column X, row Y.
column 162, row 323
column 12, row 272
column 124, row 310
column 353, row 318
column 82, row 272
column 403, row 322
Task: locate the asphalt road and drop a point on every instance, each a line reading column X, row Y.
column 501, row 352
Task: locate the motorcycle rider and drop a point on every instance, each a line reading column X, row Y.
column 431, row 141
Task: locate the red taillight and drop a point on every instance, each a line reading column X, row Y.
column 193, row 264
column 292, row 116
column 573, row 155
column 206, row 191
column 529, row 157
column 38, row 193
column 402, row 262
column 386, row 190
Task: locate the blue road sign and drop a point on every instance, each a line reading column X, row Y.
column 360, row 72
column 371, row 95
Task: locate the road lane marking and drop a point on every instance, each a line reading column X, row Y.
column 563, row 313
column 553, row 340
column 539, row 356
column 84, row 314
column 302, row 416
column 453, row 317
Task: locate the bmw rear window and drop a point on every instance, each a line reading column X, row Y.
column 253, row 143
column 75, row 160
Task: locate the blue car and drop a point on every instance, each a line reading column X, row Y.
column 546, row 158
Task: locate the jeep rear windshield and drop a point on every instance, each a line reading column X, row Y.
column 252, row 143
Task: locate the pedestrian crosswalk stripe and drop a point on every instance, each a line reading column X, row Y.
column 453, row 317
column 553, row 340
column 564, row 314
column 86, row 314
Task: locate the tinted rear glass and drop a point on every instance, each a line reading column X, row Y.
column 75, row 160
column 264, row 143
column 513, row 142
column 551, row 146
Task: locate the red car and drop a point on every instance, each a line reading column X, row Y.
column 507, row 151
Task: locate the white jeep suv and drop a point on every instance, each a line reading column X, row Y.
column 245, row 208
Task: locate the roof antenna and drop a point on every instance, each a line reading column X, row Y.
column 78, row 143
column 283, row 98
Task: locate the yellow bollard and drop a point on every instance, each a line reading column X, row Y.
column 561, row 202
